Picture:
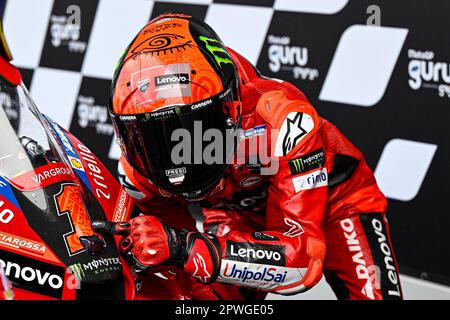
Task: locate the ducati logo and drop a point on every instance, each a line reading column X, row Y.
column 295, row 228
column 200, row 269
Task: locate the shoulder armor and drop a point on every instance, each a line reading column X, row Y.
column 294, row 121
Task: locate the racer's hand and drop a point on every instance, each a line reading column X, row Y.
column 146, row 241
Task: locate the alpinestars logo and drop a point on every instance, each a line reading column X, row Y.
column 283, row 56
column 295, row 228
column 200, row 269
column 425, row 72
column 294, row 132
column 354, row 247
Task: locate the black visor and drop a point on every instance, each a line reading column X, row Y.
column 184, row 149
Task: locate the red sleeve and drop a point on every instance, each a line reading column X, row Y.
column 287, row 257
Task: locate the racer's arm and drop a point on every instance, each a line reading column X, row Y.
column 287, row 257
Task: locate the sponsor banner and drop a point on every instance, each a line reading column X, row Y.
column 258, row 276
column 382, row 255
column 25, row 245
column 97, row 266
column 258, row 130
column 315, row 179
column 43, row 177
column 120, row 212
column 17, row 242
column 255, row 253
column 313, row 160
column 33, row 275
column 362, row 260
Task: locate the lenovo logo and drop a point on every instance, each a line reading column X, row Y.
column 172, row 79
column 255, row 253
column 33, row 275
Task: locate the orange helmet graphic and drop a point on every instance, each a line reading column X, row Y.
column 176, row 74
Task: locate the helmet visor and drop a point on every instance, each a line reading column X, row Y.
column 182, row 148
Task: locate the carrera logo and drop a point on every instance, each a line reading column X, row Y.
column 127, row 118
column 38, row 178
column 256, row 131
column 172, row 79
column 354, row 247
column 33, row 275
column 255, row 253
column 201, row 104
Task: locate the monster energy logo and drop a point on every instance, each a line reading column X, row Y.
column 298, row 164
column 215, row 46
column 78, row 271
column 313, row 160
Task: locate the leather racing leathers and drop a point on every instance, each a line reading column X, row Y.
column 319, row 211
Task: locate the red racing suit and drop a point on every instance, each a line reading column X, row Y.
column 320, row 212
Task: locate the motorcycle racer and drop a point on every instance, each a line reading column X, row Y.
column 301, row 201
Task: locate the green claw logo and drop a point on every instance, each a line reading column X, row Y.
column 78, row 271
column 214, row 46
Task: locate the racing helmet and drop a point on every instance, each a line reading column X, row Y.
column 174, row 83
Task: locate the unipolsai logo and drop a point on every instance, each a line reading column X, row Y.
column 285, row 56
column 425, row 71
column 92, row 115
column 65, row 30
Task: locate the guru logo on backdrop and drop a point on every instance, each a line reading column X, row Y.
column 94, row 116
column 288, row 57
column 65, row 30
column 425, row 71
